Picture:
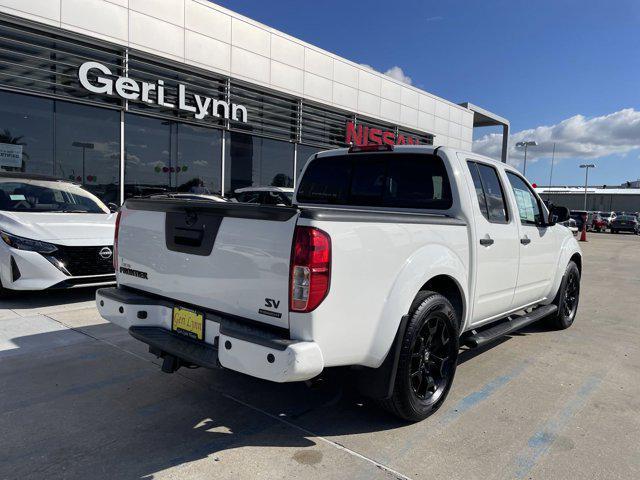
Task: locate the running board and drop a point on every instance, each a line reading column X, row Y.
column 478, row 338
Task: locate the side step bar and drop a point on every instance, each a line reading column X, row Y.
column 479, row 338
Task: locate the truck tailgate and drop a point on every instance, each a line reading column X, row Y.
column 229, row 257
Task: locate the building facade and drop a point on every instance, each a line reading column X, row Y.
column 138, row 97
column 597, row 199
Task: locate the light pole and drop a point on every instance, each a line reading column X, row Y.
column 586, row 180
column 84, row 146
column 530, row 143
column 553, row 155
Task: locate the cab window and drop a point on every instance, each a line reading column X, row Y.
column 402, row 180
column 528, row 205
column 489, row 192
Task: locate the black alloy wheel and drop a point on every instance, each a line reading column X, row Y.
column 567, row 298
column 428, row 358
column 571, row 295
column 431, row 359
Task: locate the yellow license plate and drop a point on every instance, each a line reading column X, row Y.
column 188, row 322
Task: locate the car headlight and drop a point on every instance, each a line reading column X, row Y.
column 22, row 243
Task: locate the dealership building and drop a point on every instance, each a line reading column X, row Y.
column 134, row 97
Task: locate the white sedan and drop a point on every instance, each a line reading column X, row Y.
column 55, row 234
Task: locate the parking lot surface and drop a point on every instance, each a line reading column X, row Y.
column 79, row 398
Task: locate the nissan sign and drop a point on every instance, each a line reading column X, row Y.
column 362, row 135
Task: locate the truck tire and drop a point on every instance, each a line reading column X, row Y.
column 428, row 358
column 567, row 298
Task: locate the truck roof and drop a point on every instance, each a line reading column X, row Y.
column 426, row 149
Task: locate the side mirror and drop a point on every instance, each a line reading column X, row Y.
column 558, row 214
column 113, row 207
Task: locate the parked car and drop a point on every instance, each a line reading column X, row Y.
column 579, row 216
column 624, row 223
column 265, row 195
column 571, row 225
column 607, row 216
column 55, row 234
column 390, row 259
column 597, row 223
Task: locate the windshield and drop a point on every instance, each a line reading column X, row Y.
column 47, row 196
column 626, row 218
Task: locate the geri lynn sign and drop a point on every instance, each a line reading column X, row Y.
column 97, row 78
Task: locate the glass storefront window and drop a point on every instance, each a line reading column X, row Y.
column 87, row 148
column 252, row 161
column 26, row 133
column 62, row 139
column 166, row 156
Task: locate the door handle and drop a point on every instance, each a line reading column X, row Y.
column 525, row 240
column 486, row 241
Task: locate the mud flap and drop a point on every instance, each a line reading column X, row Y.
column 377, row 383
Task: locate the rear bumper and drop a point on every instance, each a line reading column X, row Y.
column 237, row 344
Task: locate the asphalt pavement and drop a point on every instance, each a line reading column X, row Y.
column 79, row 398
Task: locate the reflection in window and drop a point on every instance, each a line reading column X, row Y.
column 87, row 148
column 166, row 156
column 494, row 195
column 66, row 140
column 26, row 133
column 304, row 153
column 254, row 161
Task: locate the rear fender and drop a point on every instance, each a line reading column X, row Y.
column 568, row 248
column 426, row 263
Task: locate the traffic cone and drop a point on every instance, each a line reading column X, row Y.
column 583, row 235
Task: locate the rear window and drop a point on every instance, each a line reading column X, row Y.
column 381, row 180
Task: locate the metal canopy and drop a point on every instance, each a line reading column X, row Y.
column 485, row 118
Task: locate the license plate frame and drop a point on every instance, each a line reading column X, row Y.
column 188, row 322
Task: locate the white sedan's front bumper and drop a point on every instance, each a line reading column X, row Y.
column 241, row 349
column 35, row 272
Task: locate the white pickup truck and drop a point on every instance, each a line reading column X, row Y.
column 389, row 260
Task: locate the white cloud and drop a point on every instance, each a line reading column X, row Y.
column 394, row 72
column 575, row 137
column 397, row 73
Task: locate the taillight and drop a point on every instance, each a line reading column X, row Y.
column 115, row 241
column 310, row 269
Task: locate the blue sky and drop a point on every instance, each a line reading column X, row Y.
column 535, row 63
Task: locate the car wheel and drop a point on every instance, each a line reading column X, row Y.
column 428, row 359
column 567, row 298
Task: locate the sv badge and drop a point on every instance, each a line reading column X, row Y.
column 271, row 303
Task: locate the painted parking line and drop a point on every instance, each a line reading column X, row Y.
column 467, row 403
column 473, row 399
column 542, row 440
